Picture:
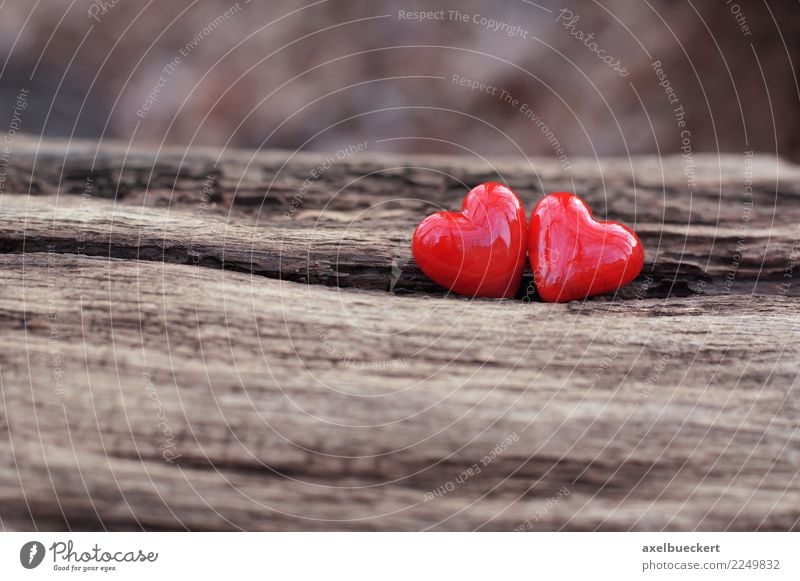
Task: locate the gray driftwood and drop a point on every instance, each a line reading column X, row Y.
column 188, row 342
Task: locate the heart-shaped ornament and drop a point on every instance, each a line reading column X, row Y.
column 573, row 256
column 479, row 251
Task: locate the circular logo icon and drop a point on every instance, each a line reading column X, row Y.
column 31, row 554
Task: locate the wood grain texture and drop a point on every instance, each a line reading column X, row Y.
column 174, row 359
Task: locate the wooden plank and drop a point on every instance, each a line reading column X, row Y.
column 652, row 413
column 734, row 230
column 263, row 185
column 178, row 359
column 371, row 256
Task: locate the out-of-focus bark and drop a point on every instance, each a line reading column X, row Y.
column 325, row 76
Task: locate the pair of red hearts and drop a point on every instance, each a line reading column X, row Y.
column 480, row 251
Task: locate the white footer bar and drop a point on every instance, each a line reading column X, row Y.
column 401, row 556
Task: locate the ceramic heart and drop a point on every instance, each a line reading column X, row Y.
column 479, row 251
column 574, row 256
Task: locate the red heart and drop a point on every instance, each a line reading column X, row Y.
column 573, row 256
column 480, row 251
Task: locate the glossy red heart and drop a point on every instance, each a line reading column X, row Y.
column 573, row 256
column 480, row 251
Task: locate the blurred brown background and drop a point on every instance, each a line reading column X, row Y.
column 327, row 74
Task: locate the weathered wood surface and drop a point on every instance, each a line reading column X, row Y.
column 166, row 364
